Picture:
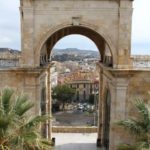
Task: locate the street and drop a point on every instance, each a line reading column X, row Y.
column 73, row 118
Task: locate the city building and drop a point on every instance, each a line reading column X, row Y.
column 9, row 57
column 85, row 82
column 54, row 76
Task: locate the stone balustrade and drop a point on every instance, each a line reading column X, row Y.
column 141, row 61
column 9, row 58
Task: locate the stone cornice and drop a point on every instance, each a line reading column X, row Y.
column 123, row 72
column 27, row 70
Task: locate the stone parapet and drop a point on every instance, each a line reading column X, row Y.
column 141, row 61
column 9, row 58
column 72, row 129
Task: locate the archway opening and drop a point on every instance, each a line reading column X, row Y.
column 103, row 51
column 75, row 66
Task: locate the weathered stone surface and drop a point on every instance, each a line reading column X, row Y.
column 108, row 24
column 110, row 19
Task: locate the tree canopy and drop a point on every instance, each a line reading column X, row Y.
column 63, row 93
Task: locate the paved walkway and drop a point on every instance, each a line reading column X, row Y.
column 75, row 141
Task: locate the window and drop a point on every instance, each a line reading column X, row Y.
column 77, row 95
column 84, row 95
column 84, row 85
column 91, row 88
column 43, row 101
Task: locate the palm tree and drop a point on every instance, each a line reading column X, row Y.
column 139, row 127
column 17, row 130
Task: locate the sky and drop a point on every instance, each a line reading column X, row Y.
column 10, row 29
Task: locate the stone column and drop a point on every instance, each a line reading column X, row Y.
column 37, row 95
column 46, row 104
column 49, row 102
column 44, row 100
column 118, row 89
column 124, row 40
column 99, row 139
column 27, row 33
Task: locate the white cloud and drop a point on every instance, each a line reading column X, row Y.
column 76, row 41
column 5, row 40
column 9, row 24
column 10, row 27
column 141, row 27
column 141, row 21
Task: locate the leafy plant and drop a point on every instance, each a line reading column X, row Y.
column 17, row 130
column 139, row 127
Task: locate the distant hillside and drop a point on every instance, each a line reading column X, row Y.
column 59, row 51
column 73, row 54
column 4, row 50
column 75, row 51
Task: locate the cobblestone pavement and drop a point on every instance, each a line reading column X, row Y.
column 75, row 141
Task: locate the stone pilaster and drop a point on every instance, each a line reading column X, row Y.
column 119, row 88
column 27, row 33
column 99, row 139
column 49, row 103
column 124, row 36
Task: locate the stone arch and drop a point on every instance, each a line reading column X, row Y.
column 101, row 31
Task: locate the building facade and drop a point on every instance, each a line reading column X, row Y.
column 84, row 82
column 54, row 76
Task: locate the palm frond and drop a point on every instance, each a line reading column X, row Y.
column 4, row 123
column 17, row 131
column 143, row 146
column 132, row 125
column 3, row 147
column 143, row 111
column 36, row 121
column 139, row 127
column 6, row 99
column 126, row 147
column 22, row 105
